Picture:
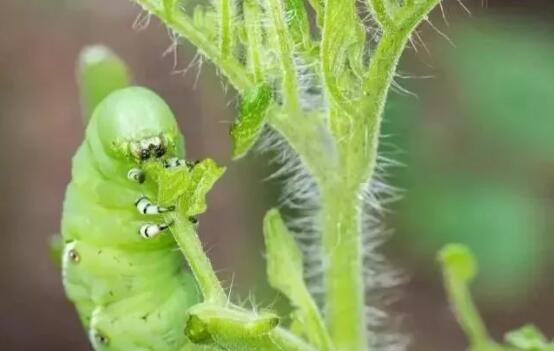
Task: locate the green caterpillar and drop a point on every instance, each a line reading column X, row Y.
column 126, row 280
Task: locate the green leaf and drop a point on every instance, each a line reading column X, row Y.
column 100, row 72
column 285, row 273
column 284, row 258
column 527, row 338
column 186, row 187
column 231, row 328
column 251, row 119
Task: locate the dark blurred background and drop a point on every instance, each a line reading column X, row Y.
column 477, row 143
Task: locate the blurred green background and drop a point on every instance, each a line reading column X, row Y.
column 476, row 143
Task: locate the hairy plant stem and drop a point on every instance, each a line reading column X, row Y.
column 183, row 25
column 200, row 265
column 343, row 279
column 342, row 202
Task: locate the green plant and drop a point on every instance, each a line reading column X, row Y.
column 459, row 269
column 324, row 94
column 322, row 88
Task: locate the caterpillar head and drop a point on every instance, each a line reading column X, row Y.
column 136, row 125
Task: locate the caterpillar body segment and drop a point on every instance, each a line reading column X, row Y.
column 131, row 293
column 93, row 273
column 87, row 179
column 150, row 317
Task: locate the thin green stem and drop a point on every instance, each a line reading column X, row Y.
column 411, row 15
column 459, row 270
column 466, row 313
column 252, row 17
column 337, row 28
column 285, row 49
column 381, row 14
column 299, row 27
column 190, row 245
column 225, row 28
column 182, row 24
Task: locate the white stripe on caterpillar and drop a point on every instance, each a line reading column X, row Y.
column 146, row 207
column 150, row 230
column 136, row 175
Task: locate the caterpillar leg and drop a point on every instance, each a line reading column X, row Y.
column 150, row 230
column 146, row 207
column 176, row 162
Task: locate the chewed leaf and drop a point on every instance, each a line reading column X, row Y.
column 527, row 338
column 458, row 262
column 173, row 183
column 251, row 119
column 187, row 188
column 203, row 177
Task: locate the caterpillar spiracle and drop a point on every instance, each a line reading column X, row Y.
column 126, row 279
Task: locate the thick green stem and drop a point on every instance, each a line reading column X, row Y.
column 341, row 204
column 344, row 281
column 200, row 265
